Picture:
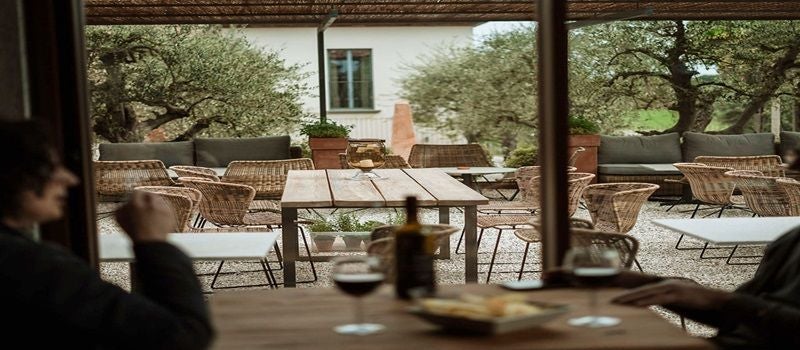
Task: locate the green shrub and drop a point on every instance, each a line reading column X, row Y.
column 321, row 225
column 579, row 125
column 523, row 156
column 329, row 129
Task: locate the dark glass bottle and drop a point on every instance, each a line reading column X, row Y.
column 414, row 269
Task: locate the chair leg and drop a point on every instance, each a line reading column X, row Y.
column 273, row 284
column 494, row 254
column 636, row 261
column 460, row 238
column 683, row 323
column 279, row 256
column 308, row 252
column 480, row 237
column 694, row 213
column 524, row 258
column 514, row 195
column 216, row 274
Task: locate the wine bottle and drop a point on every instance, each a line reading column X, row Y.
column 413, row 258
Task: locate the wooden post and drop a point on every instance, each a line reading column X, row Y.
column 775, row 120
column 553, row 127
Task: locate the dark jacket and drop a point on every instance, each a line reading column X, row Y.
column 765, row 313
column 50, row 299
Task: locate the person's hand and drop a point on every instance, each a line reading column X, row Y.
column 673, row 292
column 146, row 218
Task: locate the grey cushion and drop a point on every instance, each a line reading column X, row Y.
column 697, row 144
column 634, row 169
column 640, row 149
column 219, row 152
column 171, row 153
column 789, row 140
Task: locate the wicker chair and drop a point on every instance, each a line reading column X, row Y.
column 769, row 165
column 709, row 185
column 227, row 205
column 267, row 177
column 444, row 156
column 762, row 193
column 195, row 171
column 382, row 243
column 393, row 161
column 115, row 180
column 625, row 245
column 792, row 189
column 532, row 235
column 577, row 183
column 528, row 193
column 182, row 200
column 615, row 207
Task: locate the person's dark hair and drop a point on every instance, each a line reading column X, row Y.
column 28, row 160
column 795, row 165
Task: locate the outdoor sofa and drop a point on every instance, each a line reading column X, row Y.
column 205, row 152
column 645, row 158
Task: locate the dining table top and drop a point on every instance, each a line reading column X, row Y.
column 304, row 318
column 333, row 188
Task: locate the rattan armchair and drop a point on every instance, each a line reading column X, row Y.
column 769, row 165
column 577, row 183
column 182, row 200
column 195, row 171
column 528, row 201
column 762, row 194
column 382, row 243
column 267, row 177
column 393, row 161
column 532, row 235
column 615, row 207
column 444, row 156
column 227, row 205
column 115, row 180
column 709, row 185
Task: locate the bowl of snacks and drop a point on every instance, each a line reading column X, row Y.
column 486, row 315
column 366, row 155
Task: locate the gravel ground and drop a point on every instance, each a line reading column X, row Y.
column 657, row 256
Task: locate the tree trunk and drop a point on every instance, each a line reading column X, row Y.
column 770, row 84
column 681, row 81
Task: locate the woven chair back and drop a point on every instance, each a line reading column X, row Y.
column 119, row 178
column 791, row 188
column 709, row 183
column 195, row 171
column 393, row 161
column 267, row 177
column 598, row 241
column 182, row 201
column 222, row 204
column 615, row 206
column 445, row 156
column 762, row 194
column 769, row 165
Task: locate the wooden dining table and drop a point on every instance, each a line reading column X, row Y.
column 333, row 188
column 304, row 319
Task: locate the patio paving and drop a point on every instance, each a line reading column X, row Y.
column 657, row 256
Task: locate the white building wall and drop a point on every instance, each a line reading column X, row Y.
column 393, row 50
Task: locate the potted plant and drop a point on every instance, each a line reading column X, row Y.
column 321, row 233
column 326, row 139
column 584, row 138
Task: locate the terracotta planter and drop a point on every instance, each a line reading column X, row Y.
column 325, row 152
column 586, row 161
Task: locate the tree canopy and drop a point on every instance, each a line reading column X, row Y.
column 699, row 70
column 187, row 81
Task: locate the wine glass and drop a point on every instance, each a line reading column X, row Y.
column 358, row 276
column 593, row 267
column 366, row 155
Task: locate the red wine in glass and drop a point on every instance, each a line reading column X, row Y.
column 594, row 277
column 358, row 285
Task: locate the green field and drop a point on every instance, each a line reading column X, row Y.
column 646, row 120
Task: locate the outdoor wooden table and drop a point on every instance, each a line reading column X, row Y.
column 314, row 189
column 732, row 231
column 304, row 319
column 468, row 175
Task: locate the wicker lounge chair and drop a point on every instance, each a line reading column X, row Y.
column 115, row 180
column 195, row 171
column 762, row 194
column 182, row 200
column 792, row 189
column 615, row 207
column 267, row 177
column 769, row 165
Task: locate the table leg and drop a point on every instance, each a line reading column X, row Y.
column 471, row 243
column 444, row 218
column 133, row 276
column 469, row 181
column 289, row 236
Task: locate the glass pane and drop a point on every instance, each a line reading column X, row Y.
column 337, row 78
column 362, row 78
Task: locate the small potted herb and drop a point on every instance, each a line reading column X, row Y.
column 322, row 234
column 326, row 139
